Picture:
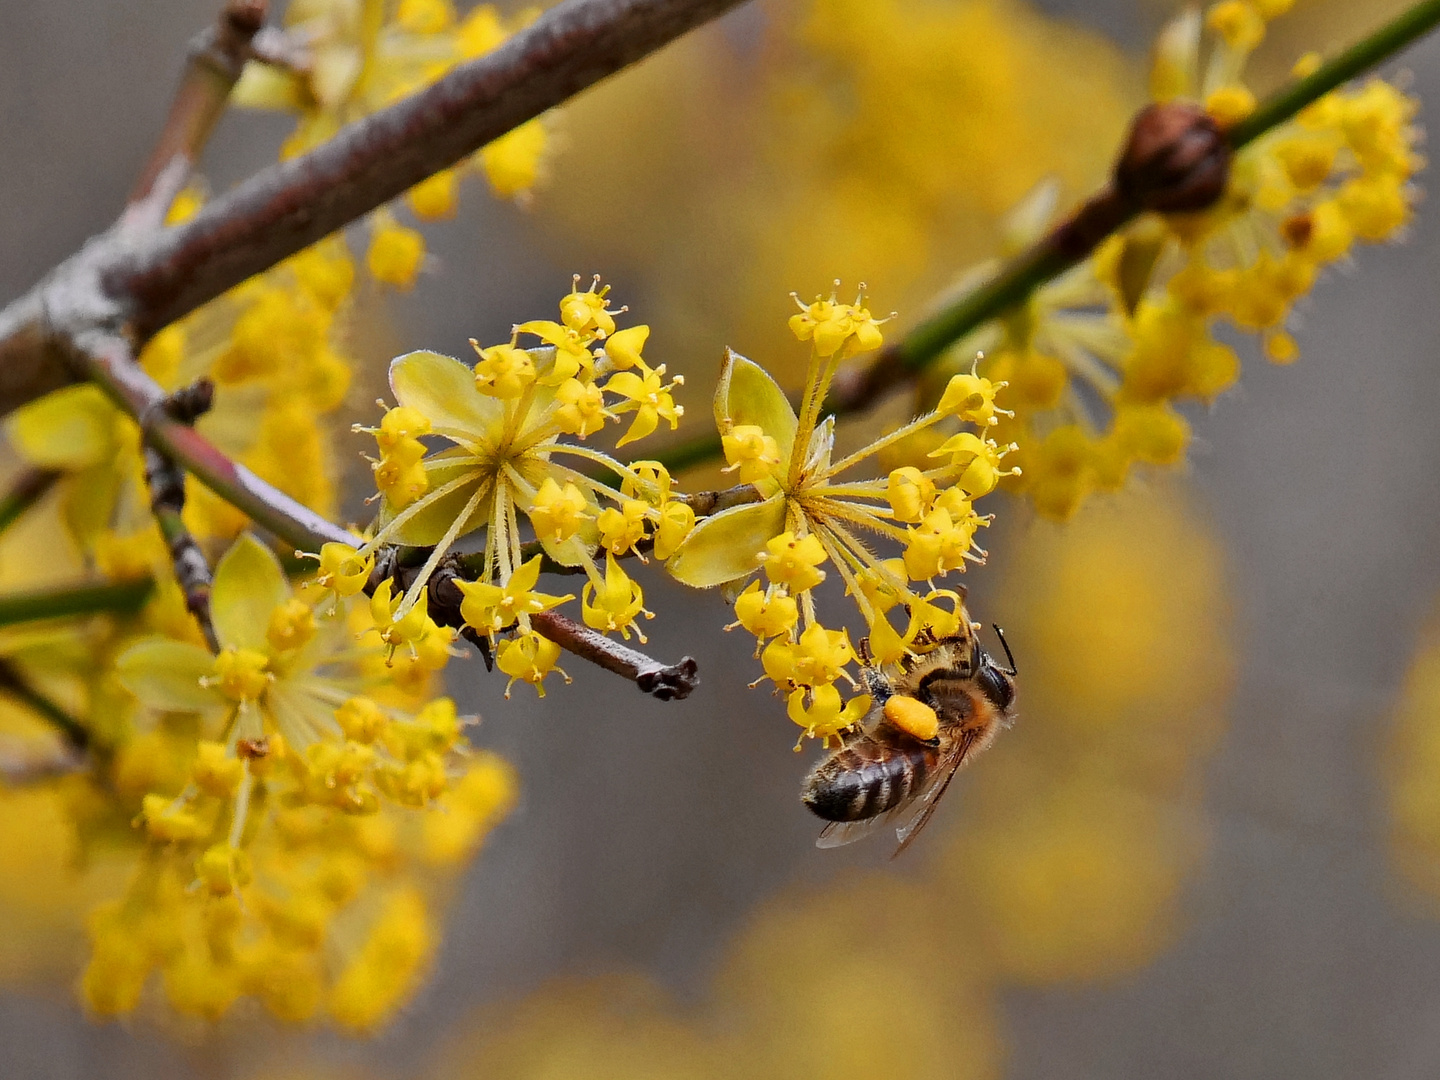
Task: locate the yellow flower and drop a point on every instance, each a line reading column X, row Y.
column 972, row 398
column 622, row 529
column 492, row 608
column 792, row 562
column 582, row 408
column 214, row 770
column 424, row 16
column 979, row 460
column 504, row 371
column 648, row 397
column 808, row 514
column 528, row 657
column 836, row 328
column 615, row 603
column 765, row 614
column 676, row 521
column 507, row 457
column 292, row 625
column 558, row 513
column 514, row 162
column 623, row 347
column 397, row 627
column 342, row 571
column 400, row 428
column 941, row 544
column 588, row 311
column 385, row 969
column 435, row 198
column 241, row 674
column 909, row 492
column 361, row 719
column 823, row 717
column 750, row 450
column 572, row 350
column 400, row 484
column 816, row 659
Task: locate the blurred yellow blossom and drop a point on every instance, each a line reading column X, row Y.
column 277, row 864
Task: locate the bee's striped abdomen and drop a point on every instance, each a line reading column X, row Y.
column 867, row 778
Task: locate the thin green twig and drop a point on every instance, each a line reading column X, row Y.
column 120, row 597
column 1365, row 54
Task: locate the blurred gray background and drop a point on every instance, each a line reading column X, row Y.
column 629, row 848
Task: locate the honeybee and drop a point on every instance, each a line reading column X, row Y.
column 932, row 713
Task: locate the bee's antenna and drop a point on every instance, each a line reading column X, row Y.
column 1008, row 654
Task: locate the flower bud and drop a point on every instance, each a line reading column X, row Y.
column 1176, row 159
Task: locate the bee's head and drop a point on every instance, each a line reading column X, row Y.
column 997, row 684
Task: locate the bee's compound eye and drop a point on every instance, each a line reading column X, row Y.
column 996, row 685
column 912, row 716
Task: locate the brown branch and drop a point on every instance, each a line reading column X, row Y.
column 705, row 503
column 291, row 205
column 30, row 366
column 166, row 481
column 213, row 65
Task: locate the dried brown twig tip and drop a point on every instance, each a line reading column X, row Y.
column 668, row 682
column 1177, row 160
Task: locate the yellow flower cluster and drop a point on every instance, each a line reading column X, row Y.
column 504, row 419
column 804, row 514
column 290, row 803
column 368, row 54
column 1098, row 359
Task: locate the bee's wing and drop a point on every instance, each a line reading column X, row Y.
column 840, row 833
column 914, row 814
